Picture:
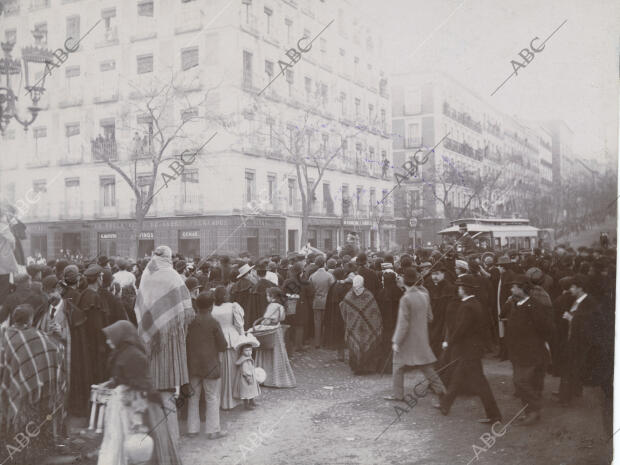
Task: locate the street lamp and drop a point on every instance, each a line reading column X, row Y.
column 35, row 60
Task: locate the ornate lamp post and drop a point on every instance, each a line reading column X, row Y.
column 35, row 60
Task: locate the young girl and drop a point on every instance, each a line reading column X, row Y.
column 246, row 385
column 275, row 313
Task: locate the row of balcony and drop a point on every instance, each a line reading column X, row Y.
column 462, row 117
column 179, row 205
column 463, row 148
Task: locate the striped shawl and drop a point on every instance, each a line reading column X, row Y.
column 32, row 370
column 164, row 310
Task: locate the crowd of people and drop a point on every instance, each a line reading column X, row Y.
column 156, row 331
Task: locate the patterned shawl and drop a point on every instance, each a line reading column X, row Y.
column 32, row 369
column 164, row 310
column 362, row 320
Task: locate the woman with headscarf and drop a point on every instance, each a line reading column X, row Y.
column 388, row 300
column 164, row 311
column 297, row 284
column 133, row 411
column 333, row 325
column 32, row 387
column 363, row 328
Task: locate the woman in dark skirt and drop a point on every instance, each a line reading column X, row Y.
column 297, row 284
column 388, row 300
column 333, row 326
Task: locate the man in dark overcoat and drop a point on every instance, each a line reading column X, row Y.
column 468, row 341
column 530, row 326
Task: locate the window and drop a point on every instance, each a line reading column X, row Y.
column 291, row 192
column 35, row 4
column 145, row 63
column 269, row 69
column 39, row 132
column 247, row 69
column 145, row 8
column 371, row 109
column 383, row 127
column 324, row 144
column 190, row 186
column 308, row 85
column 328, row 203
column 343, row 104
column 346, row 202
column 72, row 129
column 73, row 29
column 250, row 186
column 10, row 36
column 357, row 107
column 324, row 94
column 108, row 191
column 72, row 71
column 268, row 13
column 41, row 28
column 289, row 25
column 110, row 32
column 413, row 200
column 323, row 45
column 270, row 123
column 290, row 78
column 386, row 201
column 248, row 7
column 107, row 65
column 271, row 188
column 144, row 183
column 358, row 197
column 72, row 196
column 189, row 58
column 372, row 197
column 39, row 186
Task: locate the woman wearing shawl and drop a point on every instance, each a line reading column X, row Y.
column 388, row 300
column 296, row 283
column 363, row 327
column 133, row 412
column 164, row 311
column 333, row 324
column 32, row 388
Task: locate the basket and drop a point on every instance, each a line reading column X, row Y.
column 267, row 338
column 291, row 305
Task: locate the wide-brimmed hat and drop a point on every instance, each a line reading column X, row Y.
column 248, row 339
column 461, row 264
column 579, row 280
column 487, row 255
column 245, row 269
column 192, row 283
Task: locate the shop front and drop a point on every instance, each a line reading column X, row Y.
column 192, row 237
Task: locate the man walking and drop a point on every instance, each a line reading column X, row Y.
column 468, row 342
column 321, row 281
column 410, row 341
column 530, row 325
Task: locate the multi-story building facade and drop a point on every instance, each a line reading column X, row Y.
column 486, row 164
column 207, row 66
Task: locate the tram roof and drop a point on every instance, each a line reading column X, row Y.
column 497, row 221
column 515, row 229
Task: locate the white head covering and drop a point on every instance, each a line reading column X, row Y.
column 461, row 264
column 164, row 251
column 358, row 284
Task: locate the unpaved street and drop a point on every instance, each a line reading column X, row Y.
column 333, row 418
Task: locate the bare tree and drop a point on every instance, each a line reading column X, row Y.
column 158, row 142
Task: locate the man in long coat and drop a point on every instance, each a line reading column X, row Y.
column 530, row 326
column 468, row 343
column 410, row 341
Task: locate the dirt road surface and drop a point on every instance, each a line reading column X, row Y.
column 334, row 418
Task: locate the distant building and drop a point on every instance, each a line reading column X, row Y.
column 488, row 163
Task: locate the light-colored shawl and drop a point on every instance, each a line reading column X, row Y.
column 164, row 310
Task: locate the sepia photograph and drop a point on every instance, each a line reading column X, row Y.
column 310, row 232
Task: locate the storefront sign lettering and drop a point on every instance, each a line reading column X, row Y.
column 146, row 235
column 190, row 234
column 107, row 236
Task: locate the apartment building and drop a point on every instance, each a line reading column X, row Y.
column 206, row 61
column 486, row 164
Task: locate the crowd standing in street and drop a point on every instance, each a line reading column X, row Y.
column 147, row 331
